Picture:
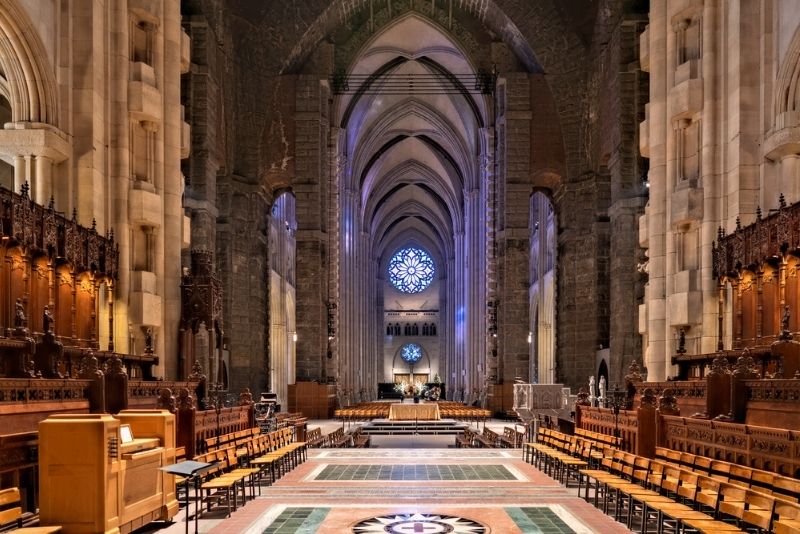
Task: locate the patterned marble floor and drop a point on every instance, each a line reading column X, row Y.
column 409, row 491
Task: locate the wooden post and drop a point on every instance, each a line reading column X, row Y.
column 110, row 316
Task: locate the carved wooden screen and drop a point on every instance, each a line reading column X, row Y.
column 770, row 300
column 63, row 292
column 85, row 309
column 792, row 292
column 39, row 296
column 748, row 303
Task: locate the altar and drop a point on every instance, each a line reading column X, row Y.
column 412, row 412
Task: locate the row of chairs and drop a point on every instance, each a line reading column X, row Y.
column 366, row 411
column 683, row 500
column 230, row 439
column 764, row 481
column 679, row 495
column 248, row 464
column 562, row 456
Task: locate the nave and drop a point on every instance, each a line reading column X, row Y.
column 431, row 490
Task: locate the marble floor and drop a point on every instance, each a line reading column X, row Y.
column 412, row 490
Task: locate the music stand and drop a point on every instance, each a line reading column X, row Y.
column 189, row 470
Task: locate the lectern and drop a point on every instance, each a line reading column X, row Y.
column 101, row 474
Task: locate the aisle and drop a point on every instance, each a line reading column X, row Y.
column 414, row 490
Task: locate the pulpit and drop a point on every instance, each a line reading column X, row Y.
column 101, row 474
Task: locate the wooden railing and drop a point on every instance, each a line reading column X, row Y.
column 25, row 402
column 194, row 427
column 770, row 449
column 690, row 394
column 603, row 421
column 144, row 393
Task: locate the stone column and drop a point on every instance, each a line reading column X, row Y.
column 656, row 356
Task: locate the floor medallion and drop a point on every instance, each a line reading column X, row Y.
column 414, row 523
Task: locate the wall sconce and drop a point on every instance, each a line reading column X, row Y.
column 529, row 338
column 294, row 337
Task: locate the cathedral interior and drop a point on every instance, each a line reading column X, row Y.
column 494, row 249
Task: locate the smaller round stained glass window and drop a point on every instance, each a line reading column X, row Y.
column 411, row 270
column 411, row 353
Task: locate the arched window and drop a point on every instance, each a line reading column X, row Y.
column 416, row 329
column 411, row 270
column 388, row 330
column 425, row 329
column 397, row 329
column 411, row 353
column 433, row 329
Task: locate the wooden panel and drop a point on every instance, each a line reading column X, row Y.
column 793, row 292
column 63, row 316
column 770, row 318
column 39, row 296
column 749, row 308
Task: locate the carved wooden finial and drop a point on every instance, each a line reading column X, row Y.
column 758, row 213
column 720, row 233
column 74, row 214
column 24, row 190
column 782, row 201
column 738, row 223
column 94, row 225
column 52, row 204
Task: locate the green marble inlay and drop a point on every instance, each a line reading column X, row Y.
column 297, row 521
column 415, row 472
column 538, row 520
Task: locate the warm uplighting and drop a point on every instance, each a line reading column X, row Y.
column 529, row 338
column 294, row 337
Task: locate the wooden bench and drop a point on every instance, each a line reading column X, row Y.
column 466, row 438
column 360, row 440
column 487, row 439
column 511, row 438
column 314, row 438
column 337, row 439
column 12, row 518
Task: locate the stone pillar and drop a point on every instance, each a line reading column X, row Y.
column 657, row 352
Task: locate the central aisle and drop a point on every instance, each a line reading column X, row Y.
column 341, row 491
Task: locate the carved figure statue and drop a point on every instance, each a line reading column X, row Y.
column 89, row 367
column 166, row 401
column 19, row 314
column 583, row 398
column 185, row 400
column 602, row 388
column 47, row 320
column 785, row 319
column 148, row 341
column 245, row 397
column 592, row 390
column 681, row 341
column 197, row 372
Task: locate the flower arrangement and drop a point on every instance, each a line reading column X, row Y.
column 414, row 389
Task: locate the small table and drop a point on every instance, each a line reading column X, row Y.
column 414, row 412
column 190, row 470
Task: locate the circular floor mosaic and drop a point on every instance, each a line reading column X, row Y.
column 411, row 523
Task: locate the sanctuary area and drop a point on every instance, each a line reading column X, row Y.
column 405, row 266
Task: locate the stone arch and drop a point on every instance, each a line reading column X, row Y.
column 787, row 86
column 31, row 81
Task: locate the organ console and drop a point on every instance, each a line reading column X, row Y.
column 100, row 474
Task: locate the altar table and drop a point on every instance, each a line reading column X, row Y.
column 410, row 412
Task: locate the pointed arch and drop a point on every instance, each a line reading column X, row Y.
column 31, row 82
